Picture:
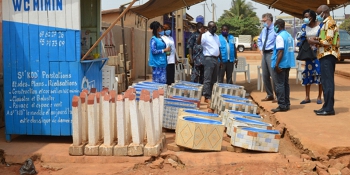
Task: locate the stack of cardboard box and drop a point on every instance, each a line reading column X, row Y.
column 118, row 63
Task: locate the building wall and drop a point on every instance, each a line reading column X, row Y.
column 131, row 20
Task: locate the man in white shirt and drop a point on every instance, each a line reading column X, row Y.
column 211, row 51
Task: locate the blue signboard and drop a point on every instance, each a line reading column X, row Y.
column 42, row 68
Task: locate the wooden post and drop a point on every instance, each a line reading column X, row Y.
column 135, row 120
column 77, row 121
column 107, row 121
column 98, row 113
column 156, row 113
column 148, row 111
column 127, row 116
column 93, row 120
column 121, row 121
column 161, row 108
column 84, row 116
column 113, row 114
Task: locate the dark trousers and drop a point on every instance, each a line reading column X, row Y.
column 327, row 81
column 170, row 74
column 228, row 69
column 282, row 89
column 210, row 75
column 197, row 74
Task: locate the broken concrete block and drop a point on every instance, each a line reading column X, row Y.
column 154, row 150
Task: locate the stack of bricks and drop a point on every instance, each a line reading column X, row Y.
column 107, row 124
column 118, row 62
column 233, row 122
column 256, row 139
column 181, row 95
column 171, row 111
column 229, row 89
column 185, row 91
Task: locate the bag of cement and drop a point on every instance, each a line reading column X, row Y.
column 27, row 168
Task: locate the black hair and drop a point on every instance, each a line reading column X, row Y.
column 210, row 23
column 168, row 24
column 225, row 25
column 280, row 23
column 311, row 13
column 154, row 26
column 199, row 24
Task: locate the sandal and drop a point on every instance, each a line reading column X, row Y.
column 305, row 101
column 319, row 101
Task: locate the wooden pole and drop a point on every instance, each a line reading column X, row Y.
column 109, row 29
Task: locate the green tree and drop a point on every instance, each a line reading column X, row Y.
column 345, row 25
column 241, row 19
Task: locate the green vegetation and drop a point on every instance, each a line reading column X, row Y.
column 345, row 25
column 241, row 19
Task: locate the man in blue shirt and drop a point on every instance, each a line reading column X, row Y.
column 228, row 53
column 281, row 62
column 266, row 43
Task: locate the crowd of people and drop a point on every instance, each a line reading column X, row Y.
column 320, row 33
column 213, row 57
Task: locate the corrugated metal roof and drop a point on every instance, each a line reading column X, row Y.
column 296, row 7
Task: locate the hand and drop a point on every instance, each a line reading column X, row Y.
column 167, row 49
column 278, row 69
column 261, row 52
column 221, row 65
column 236, row 62
column 176, row 62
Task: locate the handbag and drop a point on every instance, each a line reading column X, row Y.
column 306, row 52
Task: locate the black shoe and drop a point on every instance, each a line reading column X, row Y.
column 319, row 110
column 325, row 113
column 279, row 109
column 267, row 99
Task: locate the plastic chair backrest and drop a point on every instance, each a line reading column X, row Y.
column 241, row 65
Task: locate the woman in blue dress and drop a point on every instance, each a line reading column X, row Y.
column 157, row 56
column 312, row 72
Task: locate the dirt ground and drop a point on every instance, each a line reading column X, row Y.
column 288, row 160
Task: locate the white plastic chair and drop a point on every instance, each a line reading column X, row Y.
column 299, row 71
column 298, row 68
column 242, row 66
column 179, row 72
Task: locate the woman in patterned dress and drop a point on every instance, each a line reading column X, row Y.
column 157, row 56
column 312, row 72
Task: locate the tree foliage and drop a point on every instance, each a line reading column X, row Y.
column 345, row 25
column 241, row 19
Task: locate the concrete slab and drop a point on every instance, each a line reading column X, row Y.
column 76, row 150
column 106, row 150
column 120, row 150
column 155, row 150
column 92, row 150
column 135, row 149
